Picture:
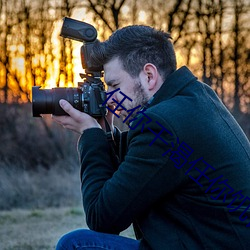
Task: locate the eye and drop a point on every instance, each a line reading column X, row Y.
column 115, row 86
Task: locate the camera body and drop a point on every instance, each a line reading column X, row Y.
column 90, row 94
column 87, row 98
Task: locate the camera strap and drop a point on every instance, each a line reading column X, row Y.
column 109, row 133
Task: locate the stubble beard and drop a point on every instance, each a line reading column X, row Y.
column 140, row 98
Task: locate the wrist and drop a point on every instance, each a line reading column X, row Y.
column 89, row 126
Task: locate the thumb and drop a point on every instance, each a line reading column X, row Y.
column 66, row 106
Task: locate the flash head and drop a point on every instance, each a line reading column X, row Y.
column 77, row 30
column 87, row 34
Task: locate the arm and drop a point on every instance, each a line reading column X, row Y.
column 78, row 121
column 113, row 199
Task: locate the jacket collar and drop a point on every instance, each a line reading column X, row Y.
column 174, row 83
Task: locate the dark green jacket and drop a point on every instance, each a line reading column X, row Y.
column 185, row 178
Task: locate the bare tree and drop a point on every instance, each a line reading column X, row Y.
column 210, row 35
column 4, row 56
column 109, row 12
column 11, row 77
column 66, row 8
column 239, row 53
column 103, row 9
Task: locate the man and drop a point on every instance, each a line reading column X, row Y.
column 182, row 177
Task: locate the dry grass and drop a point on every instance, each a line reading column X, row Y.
column 39, row 183
column 39, row 165
column 21, row 188
column 40, row 229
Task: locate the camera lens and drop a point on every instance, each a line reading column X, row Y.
column 46, row 101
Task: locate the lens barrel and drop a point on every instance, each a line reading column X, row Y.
column 46, row 101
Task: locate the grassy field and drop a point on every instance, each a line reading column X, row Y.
column 40, row 229
column 39, row 168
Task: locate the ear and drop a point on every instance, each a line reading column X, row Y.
column 152, row 75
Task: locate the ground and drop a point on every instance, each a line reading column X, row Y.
column 40, row 229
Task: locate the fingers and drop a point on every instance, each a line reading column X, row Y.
column 68, row 108
column 62, row 120
column 76, row 120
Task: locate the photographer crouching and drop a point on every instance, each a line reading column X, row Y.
column 180, row 174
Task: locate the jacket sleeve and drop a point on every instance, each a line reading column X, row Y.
column 114, row 198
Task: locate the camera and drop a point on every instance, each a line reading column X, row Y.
column 90, row 94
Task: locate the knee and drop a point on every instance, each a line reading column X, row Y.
column 69, row 240
column 64, row 242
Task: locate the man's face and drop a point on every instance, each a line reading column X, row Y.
column 134, row 88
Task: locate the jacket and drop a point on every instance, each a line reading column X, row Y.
column 184, row 175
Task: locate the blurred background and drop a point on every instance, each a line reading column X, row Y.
column 38, row 160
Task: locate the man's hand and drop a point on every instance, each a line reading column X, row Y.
column 76, row 121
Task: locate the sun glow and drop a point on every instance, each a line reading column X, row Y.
column 44, row 61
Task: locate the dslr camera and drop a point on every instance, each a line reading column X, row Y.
column 90, row 94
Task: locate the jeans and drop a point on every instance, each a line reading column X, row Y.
column 90, row 240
